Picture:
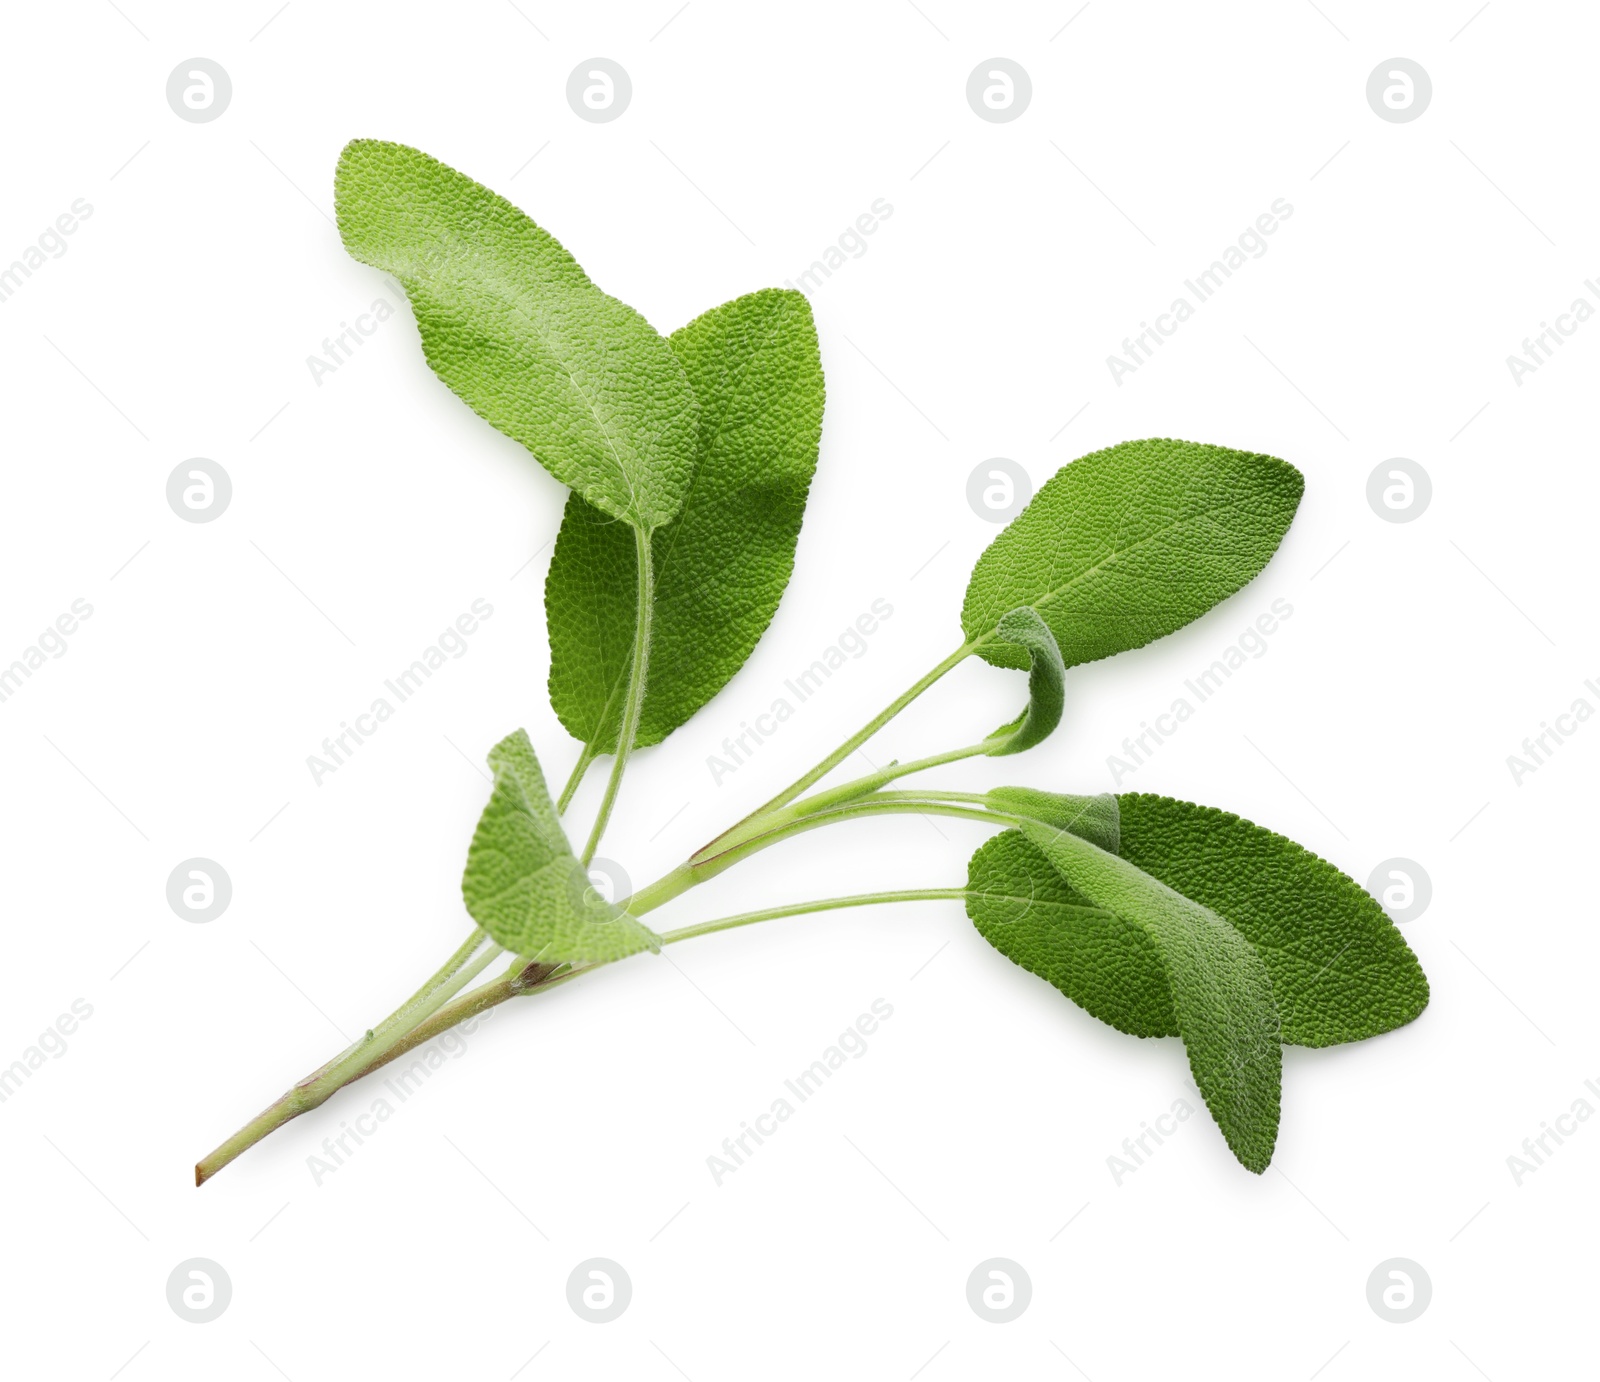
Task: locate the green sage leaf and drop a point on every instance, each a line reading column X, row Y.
column 1221, row 993
column 523, row 884
column 1029, row 913
column 721, row 566
column 1097, row 819
column 1047, row 674
column 513, row 325
column 1127, row 544
column 1341, row 971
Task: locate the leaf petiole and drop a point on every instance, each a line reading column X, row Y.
column 890, row 803
column 578, row 770
column 827, row 904
column 634, row 707
column 850, row 745
column 530, row 979
column 1023, row 625
column 762, row 822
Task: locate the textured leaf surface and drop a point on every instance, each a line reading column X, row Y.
column 513, row 325
column 1221, row 995
column 523, row 884
column 1097, row 819
column 722, row 565
column 1341, row 971
column 1047, row 674
column 1127, row 544
column 1028, row 912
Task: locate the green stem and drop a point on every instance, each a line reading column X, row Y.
column 368, row 1050
column 870, row 785
column 693, row 872
column 537, row 978
column 474, row 956
column 430, row 1011
column 794, row 909
column 923, row 794
column 878, row 721
column 636, row 684
column 436, row 1006
column 578, row 770
column 892, row 804
column 850, row 745
column 967, row 806
column 521, row 978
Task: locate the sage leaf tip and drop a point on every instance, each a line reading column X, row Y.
column 1220, row 989
column 1341, row 969
column 1130, row 543
column 514, row 327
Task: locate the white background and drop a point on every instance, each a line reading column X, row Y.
column 369, row 511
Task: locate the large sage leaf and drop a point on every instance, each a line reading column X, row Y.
column 523, row 884
column 513, row 325
column 1221, row 994
column 1340, row 969
column 1127, row 544
column 721, row 566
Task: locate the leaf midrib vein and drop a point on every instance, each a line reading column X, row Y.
column 509, row 295
column 1120, row 552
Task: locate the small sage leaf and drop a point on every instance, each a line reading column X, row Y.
column 722, row 564
column 1047, row 674
column 1221, row 993
column 1128, row 544
column 525, row 887
column 513, row 325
